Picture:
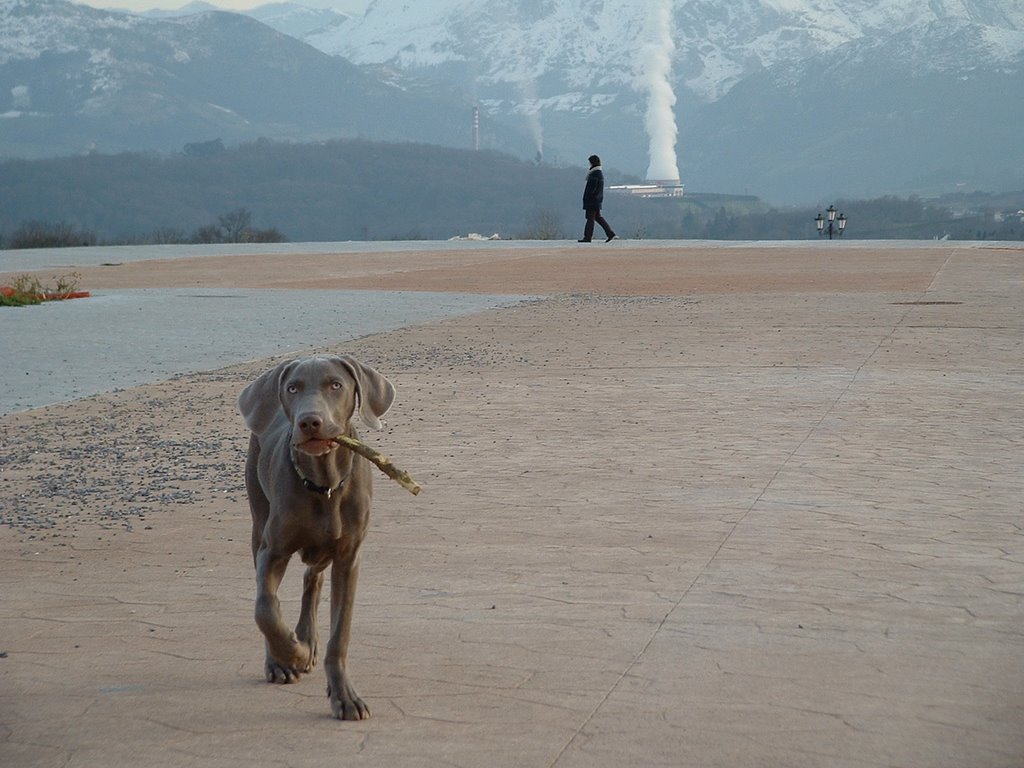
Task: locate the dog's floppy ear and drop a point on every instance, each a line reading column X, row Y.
column 376, row 393
column 261, row 400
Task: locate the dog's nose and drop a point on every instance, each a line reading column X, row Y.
column 310, row 423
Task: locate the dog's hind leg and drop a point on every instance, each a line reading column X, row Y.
column 259, row 505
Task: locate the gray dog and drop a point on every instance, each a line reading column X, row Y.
column 310, row 495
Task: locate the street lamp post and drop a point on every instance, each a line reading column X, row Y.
column 834, row 225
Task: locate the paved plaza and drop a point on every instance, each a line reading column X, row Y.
column 685, row 504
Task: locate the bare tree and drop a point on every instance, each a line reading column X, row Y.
column 543, row 225
column 235, row 226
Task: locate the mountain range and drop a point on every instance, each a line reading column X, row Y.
column 792, row 100
column 77, row 79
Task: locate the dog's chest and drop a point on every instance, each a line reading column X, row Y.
column 318, row 556
column 322, row 527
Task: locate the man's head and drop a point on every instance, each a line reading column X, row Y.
column 594, row 161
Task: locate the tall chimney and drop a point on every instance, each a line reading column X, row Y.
column 476, row 129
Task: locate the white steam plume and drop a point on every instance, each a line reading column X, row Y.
column 525, row 79
column 531, row 110
column 655, row 77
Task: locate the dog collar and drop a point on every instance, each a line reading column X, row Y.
column 309, row 485
column 323, row 490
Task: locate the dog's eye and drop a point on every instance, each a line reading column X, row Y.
column 335, row 385
column 292, row 389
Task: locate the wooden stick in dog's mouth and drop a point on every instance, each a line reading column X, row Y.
column 383, row 463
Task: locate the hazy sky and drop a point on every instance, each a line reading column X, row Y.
column 348, row 6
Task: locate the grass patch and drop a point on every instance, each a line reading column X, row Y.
column 28, row 289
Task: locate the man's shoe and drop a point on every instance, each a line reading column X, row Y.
column 610, row 237
column 583, row 240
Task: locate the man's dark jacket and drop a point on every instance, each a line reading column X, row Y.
column 593, row 193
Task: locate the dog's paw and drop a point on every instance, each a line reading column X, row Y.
column 280, row 673
column 347, row 705
column 314, row 656
column 303, row 657
column 301, row 662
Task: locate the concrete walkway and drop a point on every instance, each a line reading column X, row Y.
column 760, row 508
column 60, row 351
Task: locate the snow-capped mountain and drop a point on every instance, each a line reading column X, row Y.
column 74, row 78
column 587, row 44
column 788, row 99
column 296, row 20
column 288, row 18
column 189, row 9
column 570, row 72
column 932, row 109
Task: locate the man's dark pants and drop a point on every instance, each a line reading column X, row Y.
column 588, row 230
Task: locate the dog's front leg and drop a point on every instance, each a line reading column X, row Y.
column 345, row 702
column 306, row 628
column 287, row 656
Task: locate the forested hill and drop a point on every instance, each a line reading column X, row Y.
column 360, row 190
column 338, row 190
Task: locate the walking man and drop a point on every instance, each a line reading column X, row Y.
column 593, row 196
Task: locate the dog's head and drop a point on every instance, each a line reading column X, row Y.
column 318, row 396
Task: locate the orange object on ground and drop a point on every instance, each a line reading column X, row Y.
column 8, row 291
